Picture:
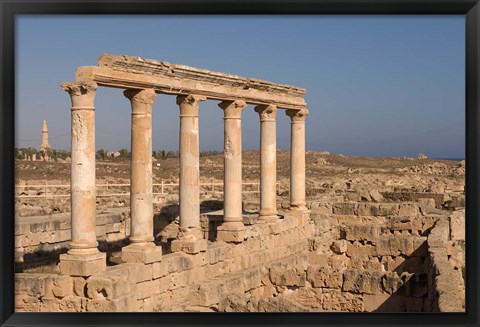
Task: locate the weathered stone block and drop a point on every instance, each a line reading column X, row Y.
column 362, row 282
column 395, row 245
column 79, row 286
column 339, row 261
column 141, row 253
column 321, row 276
column 335, row 300
column 82, row 265
column 457, row 225
column 388, row 209
column 109, row 284
column 140, row 272
column 400, row 223
column 361, row 232
column 180, row 279
column 31, row 284
column 317, row 259
column 59, row 286
column 232, row 235
column 339, row 246
column 253, row 244
column 159, row 269
column 190, row 247
column 50, row 305
column 217, row 252
column 252, row 278
column 197, row 275
column 344, row 208
column 291, row 277
column 27, row 303
column 72, row 304
column 180, row 262
column 206, row 294
column 147, row 288
column 357, row 249
column 408, row 209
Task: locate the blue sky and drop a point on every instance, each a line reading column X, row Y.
column 376, row 85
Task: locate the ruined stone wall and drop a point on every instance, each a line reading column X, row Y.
column 368, row 257
column 180, row 282
column 346, row 256
column 446, row 263
column 40, row 239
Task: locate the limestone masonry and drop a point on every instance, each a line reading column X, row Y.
column 331, row 252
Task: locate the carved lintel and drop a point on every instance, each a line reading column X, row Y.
column 154, row 67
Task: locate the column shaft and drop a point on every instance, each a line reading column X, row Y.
column 83, row 193
column 189, row 161
column 297, row 158
column 141, row 198
column 232, row 184
column 268, row 162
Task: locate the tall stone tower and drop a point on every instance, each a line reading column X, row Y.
column 45, row 146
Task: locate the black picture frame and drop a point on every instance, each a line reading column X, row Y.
column 11, row 8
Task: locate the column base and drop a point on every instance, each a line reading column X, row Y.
column 189, row 246
column 83, row 264
column 142, row 253
column 298, row 206
column 232, row 234
column 268, row 219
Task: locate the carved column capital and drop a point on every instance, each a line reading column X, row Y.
column 142, row 100
column 189, row 104
column 82, row 93
column 233, row 109
column 297, row 115
column 267, row 112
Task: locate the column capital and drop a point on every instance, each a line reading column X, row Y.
column 267, row 112
column 189, row 104
column 142, row 100
column 82, row 93
column 233, row 109
column 297, row 115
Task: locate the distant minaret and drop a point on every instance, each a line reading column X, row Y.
column 45, row 146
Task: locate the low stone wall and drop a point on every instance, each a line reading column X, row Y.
column 40, row 239
column 446, row 263
column 179, row 282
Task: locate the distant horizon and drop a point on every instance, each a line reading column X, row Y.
column 377, row 86
column 220, row 151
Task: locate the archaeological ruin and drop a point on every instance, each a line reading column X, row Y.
column 303, row 249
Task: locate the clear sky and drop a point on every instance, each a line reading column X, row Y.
column 376, row 85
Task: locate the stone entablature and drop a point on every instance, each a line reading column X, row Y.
column 138, row 73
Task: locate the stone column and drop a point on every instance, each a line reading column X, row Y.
column 141, row 247
column 232, row 229
column 268, row 163
column 297, row 158
column 190, row 236
column 83, row 258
